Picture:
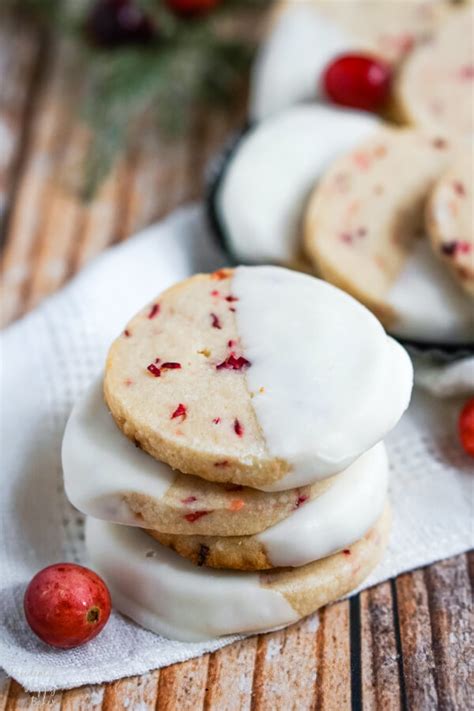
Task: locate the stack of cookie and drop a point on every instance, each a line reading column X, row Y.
column 243, row 428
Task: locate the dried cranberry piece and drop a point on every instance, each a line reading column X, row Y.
column 195, row 515
column 154, row 310
column 459, row 188
column 301, row 499
column 189, row 500
column 180, row 411
column 154, row 370
column 238, row 428
column 215, row 322
column 233, row 363
column 220, row 274
column 449, row 248
column 216, row 420
column 170, row 365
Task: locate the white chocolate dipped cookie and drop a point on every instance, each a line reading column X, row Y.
column 269, row 366
column 261, row 195
column 317, row 529
column 170, row 596
column 435, row 85
column 304, row 37
column 364, row 231
column 108, row 477
column 450, row 220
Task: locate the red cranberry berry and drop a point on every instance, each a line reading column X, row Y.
column 192, row 8
column 466, row 427
column 112, row 23
column 66, row 605
column 358, row 81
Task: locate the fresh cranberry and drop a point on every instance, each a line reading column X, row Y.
column 466, row 427
column 112, row 23
column 66, row 605
column 358, row 81
column 191, row 8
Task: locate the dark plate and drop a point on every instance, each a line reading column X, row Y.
column 216, row 171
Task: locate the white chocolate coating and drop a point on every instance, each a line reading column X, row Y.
column 429, row 304
column 328, row 382
column 291, row 61
column 170, row 596
column 100, row 464
column 261, row 197
column 335, row 520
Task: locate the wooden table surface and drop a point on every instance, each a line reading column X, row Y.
column 406, row 643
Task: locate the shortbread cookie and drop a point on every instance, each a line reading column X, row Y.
column 251, row 376
column 450, row 220
column 108, row 477
column 365, row 233
column 305, row 37
column 170, row 596
column 317, row 529
column 435, row 86
column 261, row 194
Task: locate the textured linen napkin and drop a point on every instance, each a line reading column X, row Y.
column 48, row 359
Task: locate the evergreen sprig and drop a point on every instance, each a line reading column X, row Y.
column 189, row 63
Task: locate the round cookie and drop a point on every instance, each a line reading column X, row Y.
column 434, row 87
column 317, row 529
column 261, row 194
column 168, row 595
column 364, row 231
column 108, row 477
column 209, row 376
column 449, row 220
column 305, row 37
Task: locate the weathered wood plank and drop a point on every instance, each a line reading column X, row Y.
column 230, row 677
column 333, row 690
column 49, row 127
column 20, row 56
column 416, row 641
column 278, row 681
column 380, row 669
column 183, row 686
column 452, row 625
column 85, row 698
column 21, row 700
column 137, row 692
column 99, row 222
column 4, row 689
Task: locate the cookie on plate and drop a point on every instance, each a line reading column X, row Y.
column 434, row 87
column 168, row 595
column 364, row 231
column 316, row 529
column 260, row 195
column 450, row 220
column 251, row 376
column 108, row 477
column 304, row 37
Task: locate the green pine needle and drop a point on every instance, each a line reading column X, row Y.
column 190, row 63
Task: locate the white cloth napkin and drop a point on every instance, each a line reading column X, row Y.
column 51, row 355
